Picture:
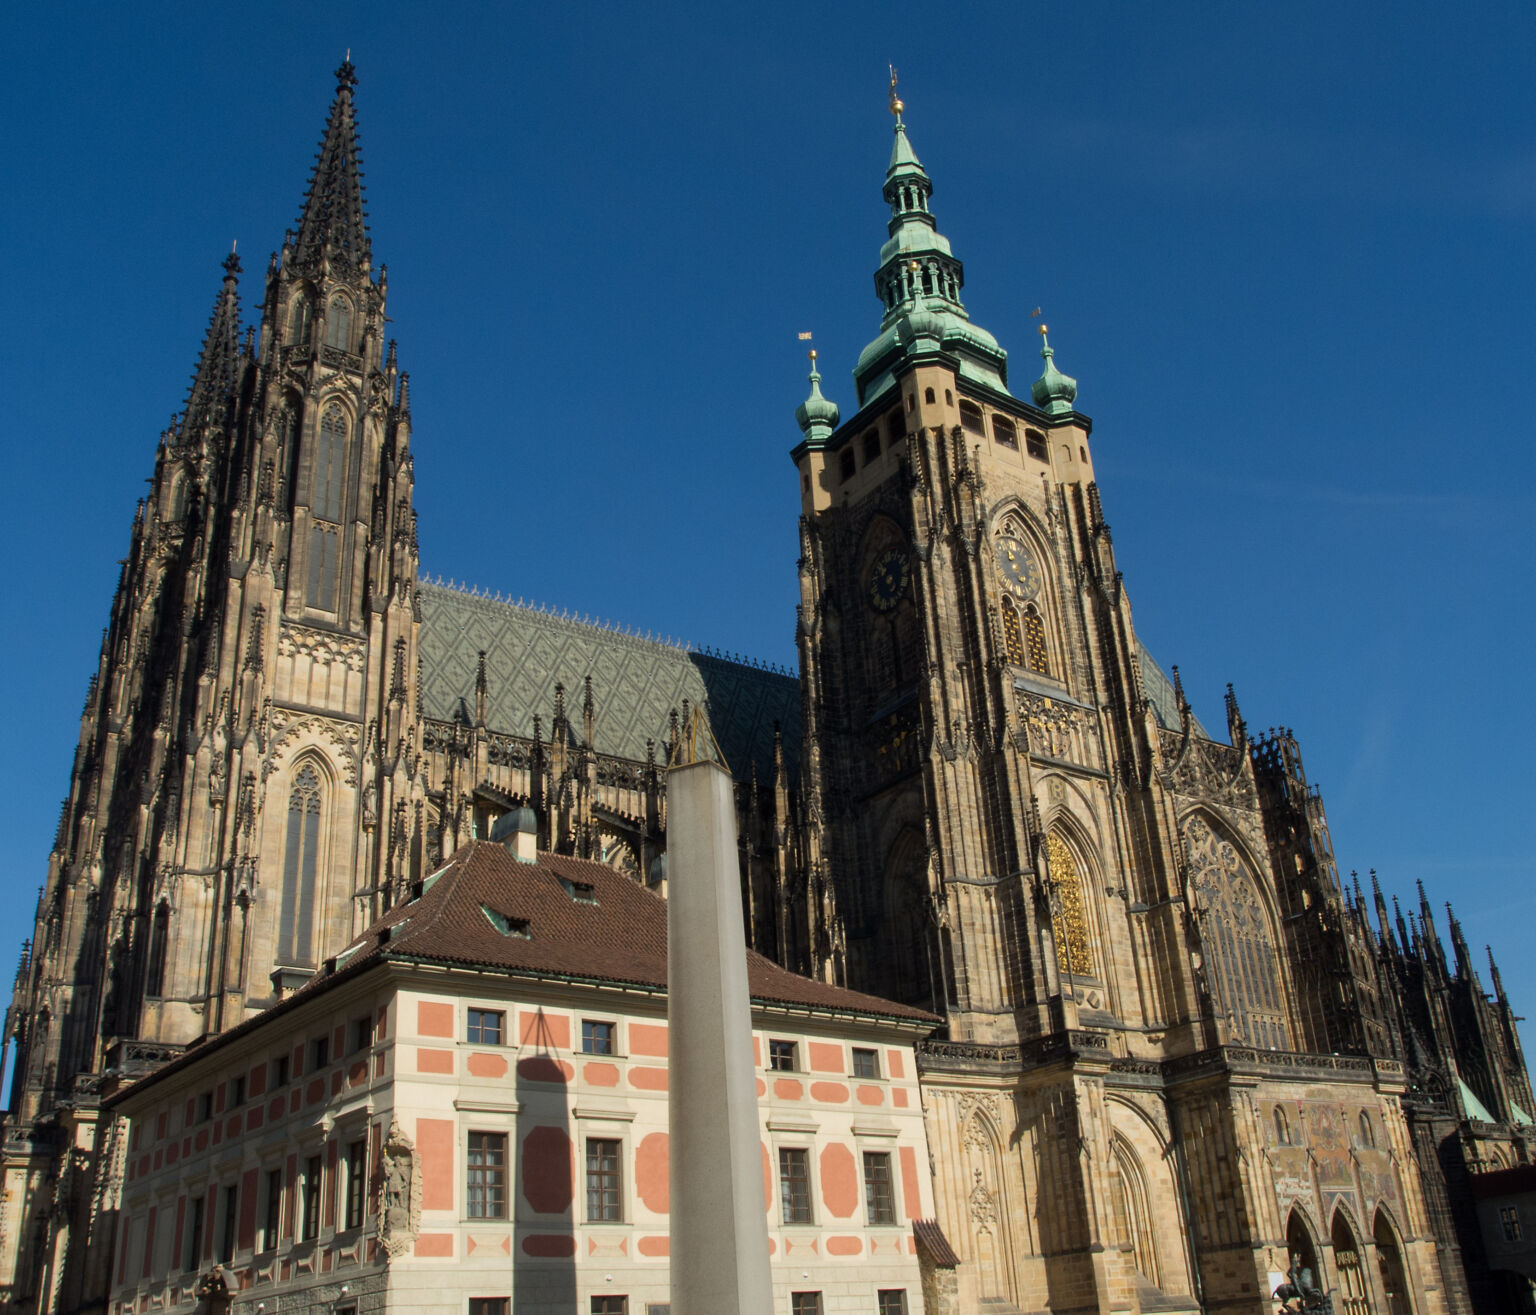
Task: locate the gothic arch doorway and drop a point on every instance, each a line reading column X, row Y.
column 1389, row 1264
column 1352, row 1295
column 1302, row 1267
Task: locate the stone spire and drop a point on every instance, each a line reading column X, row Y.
column 919, row 282
column 220, row 360
column 333, row 223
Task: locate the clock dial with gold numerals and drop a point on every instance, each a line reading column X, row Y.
column 1016, row 565
column 889, row 580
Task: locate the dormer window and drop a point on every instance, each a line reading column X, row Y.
column 582, row 892
column 507, row 926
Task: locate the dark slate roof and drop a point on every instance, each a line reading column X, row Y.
column 636, row 681
column 622, row 938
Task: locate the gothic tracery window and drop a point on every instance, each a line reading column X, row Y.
column 327, row 507
column 338, row 324
column 298, row 321
column 301, row 869
column 159, row 935
column 1034, row 642
column 1069, row 913
column 1239, row 946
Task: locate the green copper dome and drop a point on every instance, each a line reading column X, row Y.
column 1053, row 391
column 918, row 283
column 816, row 416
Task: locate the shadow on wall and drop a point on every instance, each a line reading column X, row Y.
column 544, row 1205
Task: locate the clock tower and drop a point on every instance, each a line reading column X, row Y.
column 1134, row 930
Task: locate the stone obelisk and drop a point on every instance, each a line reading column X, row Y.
column 719, row 1245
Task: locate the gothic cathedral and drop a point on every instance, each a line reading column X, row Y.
column 1179, row 1058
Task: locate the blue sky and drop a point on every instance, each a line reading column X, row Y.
column 1285, row 250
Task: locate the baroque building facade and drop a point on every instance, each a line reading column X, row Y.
column 1176, row 1049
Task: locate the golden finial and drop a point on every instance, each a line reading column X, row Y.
column 813, row 355
column 897, row 105
column 1044, row 329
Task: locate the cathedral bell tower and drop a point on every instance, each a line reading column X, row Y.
column 246, row 793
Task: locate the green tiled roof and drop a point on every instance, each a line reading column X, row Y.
column 636, row 681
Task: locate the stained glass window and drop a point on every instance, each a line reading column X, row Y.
column 1239, row 947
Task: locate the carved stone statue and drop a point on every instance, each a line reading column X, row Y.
column 399, row 1193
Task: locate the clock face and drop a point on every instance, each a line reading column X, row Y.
column 1016, row 565
column 889, row 580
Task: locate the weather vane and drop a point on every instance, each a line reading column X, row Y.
column 806, row 337
column 896, row 103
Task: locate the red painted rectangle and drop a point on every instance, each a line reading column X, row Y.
column 911, row 1193
column 434, row 1018
column 434, row 1143
column 256, row 1082
column 149, row 1240
column 255, row 1119
column 246, row 1238
column 328, row 1191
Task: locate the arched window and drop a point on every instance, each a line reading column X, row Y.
column 1367, row 1130
column 1239, row 947
column 1069, row 913
column 908, row 923
column 1034, row 444
column 301, row 870
column 1034, row 642
column 1013, row 634
column 1004, row 432
column 970, row 417
column 1302, row 1267
column 1282, row 1126
column 1346, row 1259
column 338, row 324
column 159, row 937
column 299, row 321
column 327, row 505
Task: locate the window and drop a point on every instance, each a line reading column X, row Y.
column 1367, row 1130
column 362, row 1034
column 488, row 1305
column 311, row 1191
column 159, row 934
column 357, row 1182
column 486, row 1027
column 280, row 1071
column 795, row 1184
column 597, row 1037
column 298, row 322
column 866, row 1063
column 507, row 925
column 328, row 496
column 301, row 868
column 205, row 1107
column 319, row 1053
column 1034, row 444
column 970, row 417
column 845, row 464
column 486, row 1180
column 891, row 1301
column 805, row 1303
column 1282, row 1126
column 231, row 1218
column 1034, row 642
column 928, row 396
column 610, row 1304
column 273, row 1221
column 1013, row 634
column 1004, row 432
column 879, row 1203
column 871, row 442
column 324, row 554
column 338, row 324
column 583, row 892
column 195, row 1235
column 237, row 1091
column 1509, row 1219
column 603, row 1181
column 781, row 1056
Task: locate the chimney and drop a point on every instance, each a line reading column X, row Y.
column 519, row 832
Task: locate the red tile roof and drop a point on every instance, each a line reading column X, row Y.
column 622, row 938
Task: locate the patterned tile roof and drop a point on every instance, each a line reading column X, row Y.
column 636, row 681
column 617, row 935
